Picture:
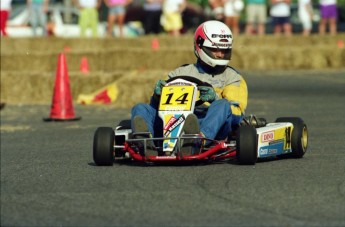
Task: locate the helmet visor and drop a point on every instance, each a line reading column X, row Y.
column 217, row 53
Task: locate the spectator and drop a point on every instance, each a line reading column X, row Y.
column 328, row 11
column 217, row 7
column 256, row 13
column 88, row 17
column 38, row 15
column 305, row 14
column 232, row 12
column 172, row 16
column 116, row 14
column 280, row 13
column 4, row 14
column 153, row 12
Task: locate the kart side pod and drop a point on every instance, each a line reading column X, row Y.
column 288, row 136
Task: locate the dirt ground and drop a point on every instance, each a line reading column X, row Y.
column 28, row 65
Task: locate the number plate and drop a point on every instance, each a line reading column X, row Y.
column 176, row 98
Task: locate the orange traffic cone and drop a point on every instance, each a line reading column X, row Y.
column 62, row 106
column 84, row 65
column 155, row 44
column 67, row 49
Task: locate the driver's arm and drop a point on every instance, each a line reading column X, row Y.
column 237, row 94
column 154, row 101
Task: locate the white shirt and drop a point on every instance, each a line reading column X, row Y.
column 230, row 7
column 280, row 9
column 303, row 12
column 328, row 2
column 172, row 5
column 87, row 3
column 5, row 5
column 302, row 5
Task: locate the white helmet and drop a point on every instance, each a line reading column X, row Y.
column 213, row 35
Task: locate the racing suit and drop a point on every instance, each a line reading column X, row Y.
column 216, row 119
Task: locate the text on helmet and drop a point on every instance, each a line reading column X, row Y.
column 221, row 36
column 227, row 45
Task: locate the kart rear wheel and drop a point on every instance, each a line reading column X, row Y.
column 103, row 146
column 299, row 136
column 246, row 142
column 125, row 124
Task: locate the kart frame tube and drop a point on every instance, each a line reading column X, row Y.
column 228, row 153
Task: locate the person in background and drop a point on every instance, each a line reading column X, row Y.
column 153, row 12
column 256, row 13
column 88, row 17
column 172, row 16
column 4, row 14
column 225, row 100
column 232, row 12
column 305, row 14
column 328, row 11
column 38, row 10
column 116, row 14
column 217, row 7
column 280, row 13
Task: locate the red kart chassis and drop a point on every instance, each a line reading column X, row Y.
column 288, row 136
column 217, row 151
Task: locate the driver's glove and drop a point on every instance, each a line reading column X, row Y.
column 158, row 87
column 207, row 94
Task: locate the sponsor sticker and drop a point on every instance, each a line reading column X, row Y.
column 271, row 150
column 221, row 36
column 263, row 151
column 267, row 136
column 267, row 151
column 172, row 124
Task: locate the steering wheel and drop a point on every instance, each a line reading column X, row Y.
column 193, row 80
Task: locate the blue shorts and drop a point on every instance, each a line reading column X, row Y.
column 280, row 20
column 116, row 10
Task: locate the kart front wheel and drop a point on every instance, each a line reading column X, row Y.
column 299, row 136
column 246, row 142
column 103, row 146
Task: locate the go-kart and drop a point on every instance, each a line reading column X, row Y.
column 253, row 139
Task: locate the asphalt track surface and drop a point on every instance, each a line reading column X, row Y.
column 48, row 177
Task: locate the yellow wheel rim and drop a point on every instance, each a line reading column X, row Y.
column 304, row 138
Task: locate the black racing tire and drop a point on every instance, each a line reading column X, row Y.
column 103, row 146
column 246, row 143
column 299, row 136
column 125, row 124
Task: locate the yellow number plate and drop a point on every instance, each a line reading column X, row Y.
column 176, row 98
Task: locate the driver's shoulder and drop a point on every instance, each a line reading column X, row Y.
column 232, row 73
column 232, row 70
column 186, row 69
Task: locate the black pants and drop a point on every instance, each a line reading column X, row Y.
column 152, row 22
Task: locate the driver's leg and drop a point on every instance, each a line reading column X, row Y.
column 231, row 124
column 218, row 114
column 143, row 120
column 147, row 112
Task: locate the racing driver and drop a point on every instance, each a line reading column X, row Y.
column 225, row 101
